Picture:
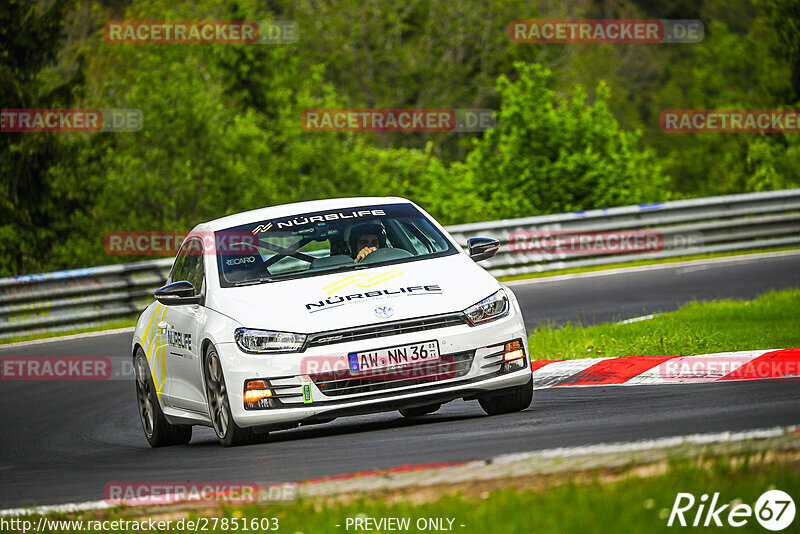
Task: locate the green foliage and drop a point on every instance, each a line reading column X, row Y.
column 414, row 53
column 555, row 154
column 222, row 131
column 732, row 70
column 222, row 134
column 31, row 195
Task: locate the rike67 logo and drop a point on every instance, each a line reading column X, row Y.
column 774, row 510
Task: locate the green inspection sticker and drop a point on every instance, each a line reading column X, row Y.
column 307, row 392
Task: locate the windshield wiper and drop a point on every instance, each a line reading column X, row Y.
column 253, row 282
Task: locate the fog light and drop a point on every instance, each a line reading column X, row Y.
column 513, row 356
column 513, row 351
column 514, row 365
column 257, row 394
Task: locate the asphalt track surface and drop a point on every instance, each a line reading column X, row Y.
column 592, row 298
column 64, row 441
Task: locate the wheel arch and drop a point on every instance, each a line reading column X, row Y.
column 207, row 342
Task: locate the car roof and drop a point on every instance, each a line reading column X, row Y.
column 296, row 208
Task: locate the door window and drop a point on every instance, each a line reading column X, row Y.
column 189, row 266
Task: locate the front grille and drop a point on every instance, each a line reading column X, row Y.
column 448, row 367
column 385, row 329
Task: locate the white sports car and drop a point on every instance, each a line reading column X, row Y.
column 301, row 313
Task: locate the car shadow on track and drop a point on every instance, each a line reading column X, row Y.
column 345, row 426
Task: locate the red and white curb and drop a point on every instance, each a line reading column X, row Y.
column 646, row 370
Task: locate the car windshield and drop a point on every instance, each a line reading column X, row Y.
column 326, row 241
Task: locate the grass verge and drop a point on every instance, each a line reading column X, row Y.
column 630, row 499
column 110, row 325
column 625, row 504
column 770, row 321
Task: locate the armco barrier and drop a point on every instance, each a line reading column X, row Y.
column 697, row 226
column 51, row 302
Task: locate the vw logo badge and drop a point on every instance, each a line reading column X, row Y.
column 384, row 311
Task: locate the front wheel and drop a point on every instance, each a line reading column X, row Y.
column 158, row 431
column 508, row 400
column 228, row 432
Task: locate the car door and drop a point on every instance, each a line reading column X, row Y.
column 182, row 327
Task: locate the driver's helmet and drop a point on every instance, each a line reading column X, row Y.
column 366, row 229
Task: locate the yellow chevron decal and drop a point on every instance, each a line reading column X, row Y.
column 146, row 335
column 159, row 359
column 156, row 359
column 262, row 228
column 361, row 280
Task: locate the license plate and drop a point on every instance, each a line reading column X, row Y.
column 394, row 357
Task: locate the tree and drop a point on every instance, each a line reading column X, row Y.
column 554, row 154
column 32, row 199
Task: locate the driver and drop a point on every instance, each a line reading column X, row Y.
column 366, row 239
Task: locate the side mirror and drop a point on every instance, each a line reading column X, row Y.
column 482, row 248
column 177, row 293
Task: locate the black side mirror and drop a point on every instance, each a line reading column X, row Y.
column 177, row 293
column 482, row 248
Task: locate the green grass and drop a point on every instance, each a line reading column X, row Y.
column 770, row 321
column 110, row 325
column 654, row 261
column 635, row 505
column 586, row 503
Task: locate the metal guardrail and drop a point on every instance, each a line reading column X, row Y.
column 689, row 227
column 52, row 302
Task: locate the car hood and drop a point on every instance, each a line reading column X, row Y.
column 354, row 298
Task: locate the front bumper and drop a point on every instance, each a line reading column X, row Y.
column 477, row 349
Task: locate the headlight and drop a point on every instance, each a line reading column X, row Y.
column 250, row 340
column 489, row 309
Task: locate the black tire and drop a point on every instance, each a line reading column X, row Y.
column 228, row 432
column 508, row 400
column 158, row 431
column 419, row 411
